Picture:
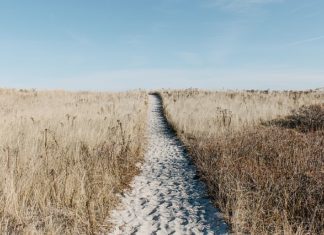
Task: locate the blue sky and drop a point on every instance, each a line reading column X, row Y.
column 128, row 44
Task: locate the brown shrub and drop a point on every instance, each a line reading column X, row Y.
column 305, row 119
column 267, row 180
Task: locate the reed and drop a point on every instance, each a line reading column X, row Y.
column 65, row 156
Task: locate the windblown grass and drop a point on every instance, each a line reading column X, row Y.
column 266, row 179
column 64, row 157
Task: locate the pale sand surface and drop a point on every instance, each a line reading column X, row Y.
column 167, row 197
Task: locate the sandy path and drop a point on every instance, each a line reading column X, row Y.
column 167, row 197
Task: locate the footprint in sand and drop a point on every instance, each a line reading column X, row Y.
column 167, row 197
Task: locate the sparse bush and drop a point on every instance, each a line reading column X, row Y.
column 268, row 179
column 305, row 119
column 265, row 179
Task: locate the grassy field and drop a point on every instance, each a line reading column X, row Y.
column 261, row 154
column 64, row 157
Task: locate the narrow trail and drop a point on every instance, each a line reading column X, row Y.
column 167, row 197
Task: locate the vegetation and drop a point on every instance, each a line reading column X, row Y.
column 65, row 156
column 305, row 119
column 260, row 153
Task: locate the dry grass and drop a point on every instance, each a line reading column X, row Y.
column 266, row 179
column 305, row 119
column 202, row 112
column 64, row 157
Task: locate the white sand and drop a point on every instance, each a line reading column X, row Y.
column 167, row 197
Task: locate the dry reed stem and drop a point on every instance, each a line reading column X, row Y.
column 65, row 156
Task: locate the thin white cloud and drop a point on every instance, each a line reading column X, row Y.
column 307, row 40
column 135, row 40
column 78, row 38
column 190, row 58
column 119, row 80
column 199, row 78
column 239, row 5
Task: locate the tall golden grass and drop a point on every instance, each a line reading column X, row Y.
column 65, row 156
column 260, row 153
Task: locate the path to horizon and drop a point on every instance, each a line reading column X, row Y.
column 167, row 197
